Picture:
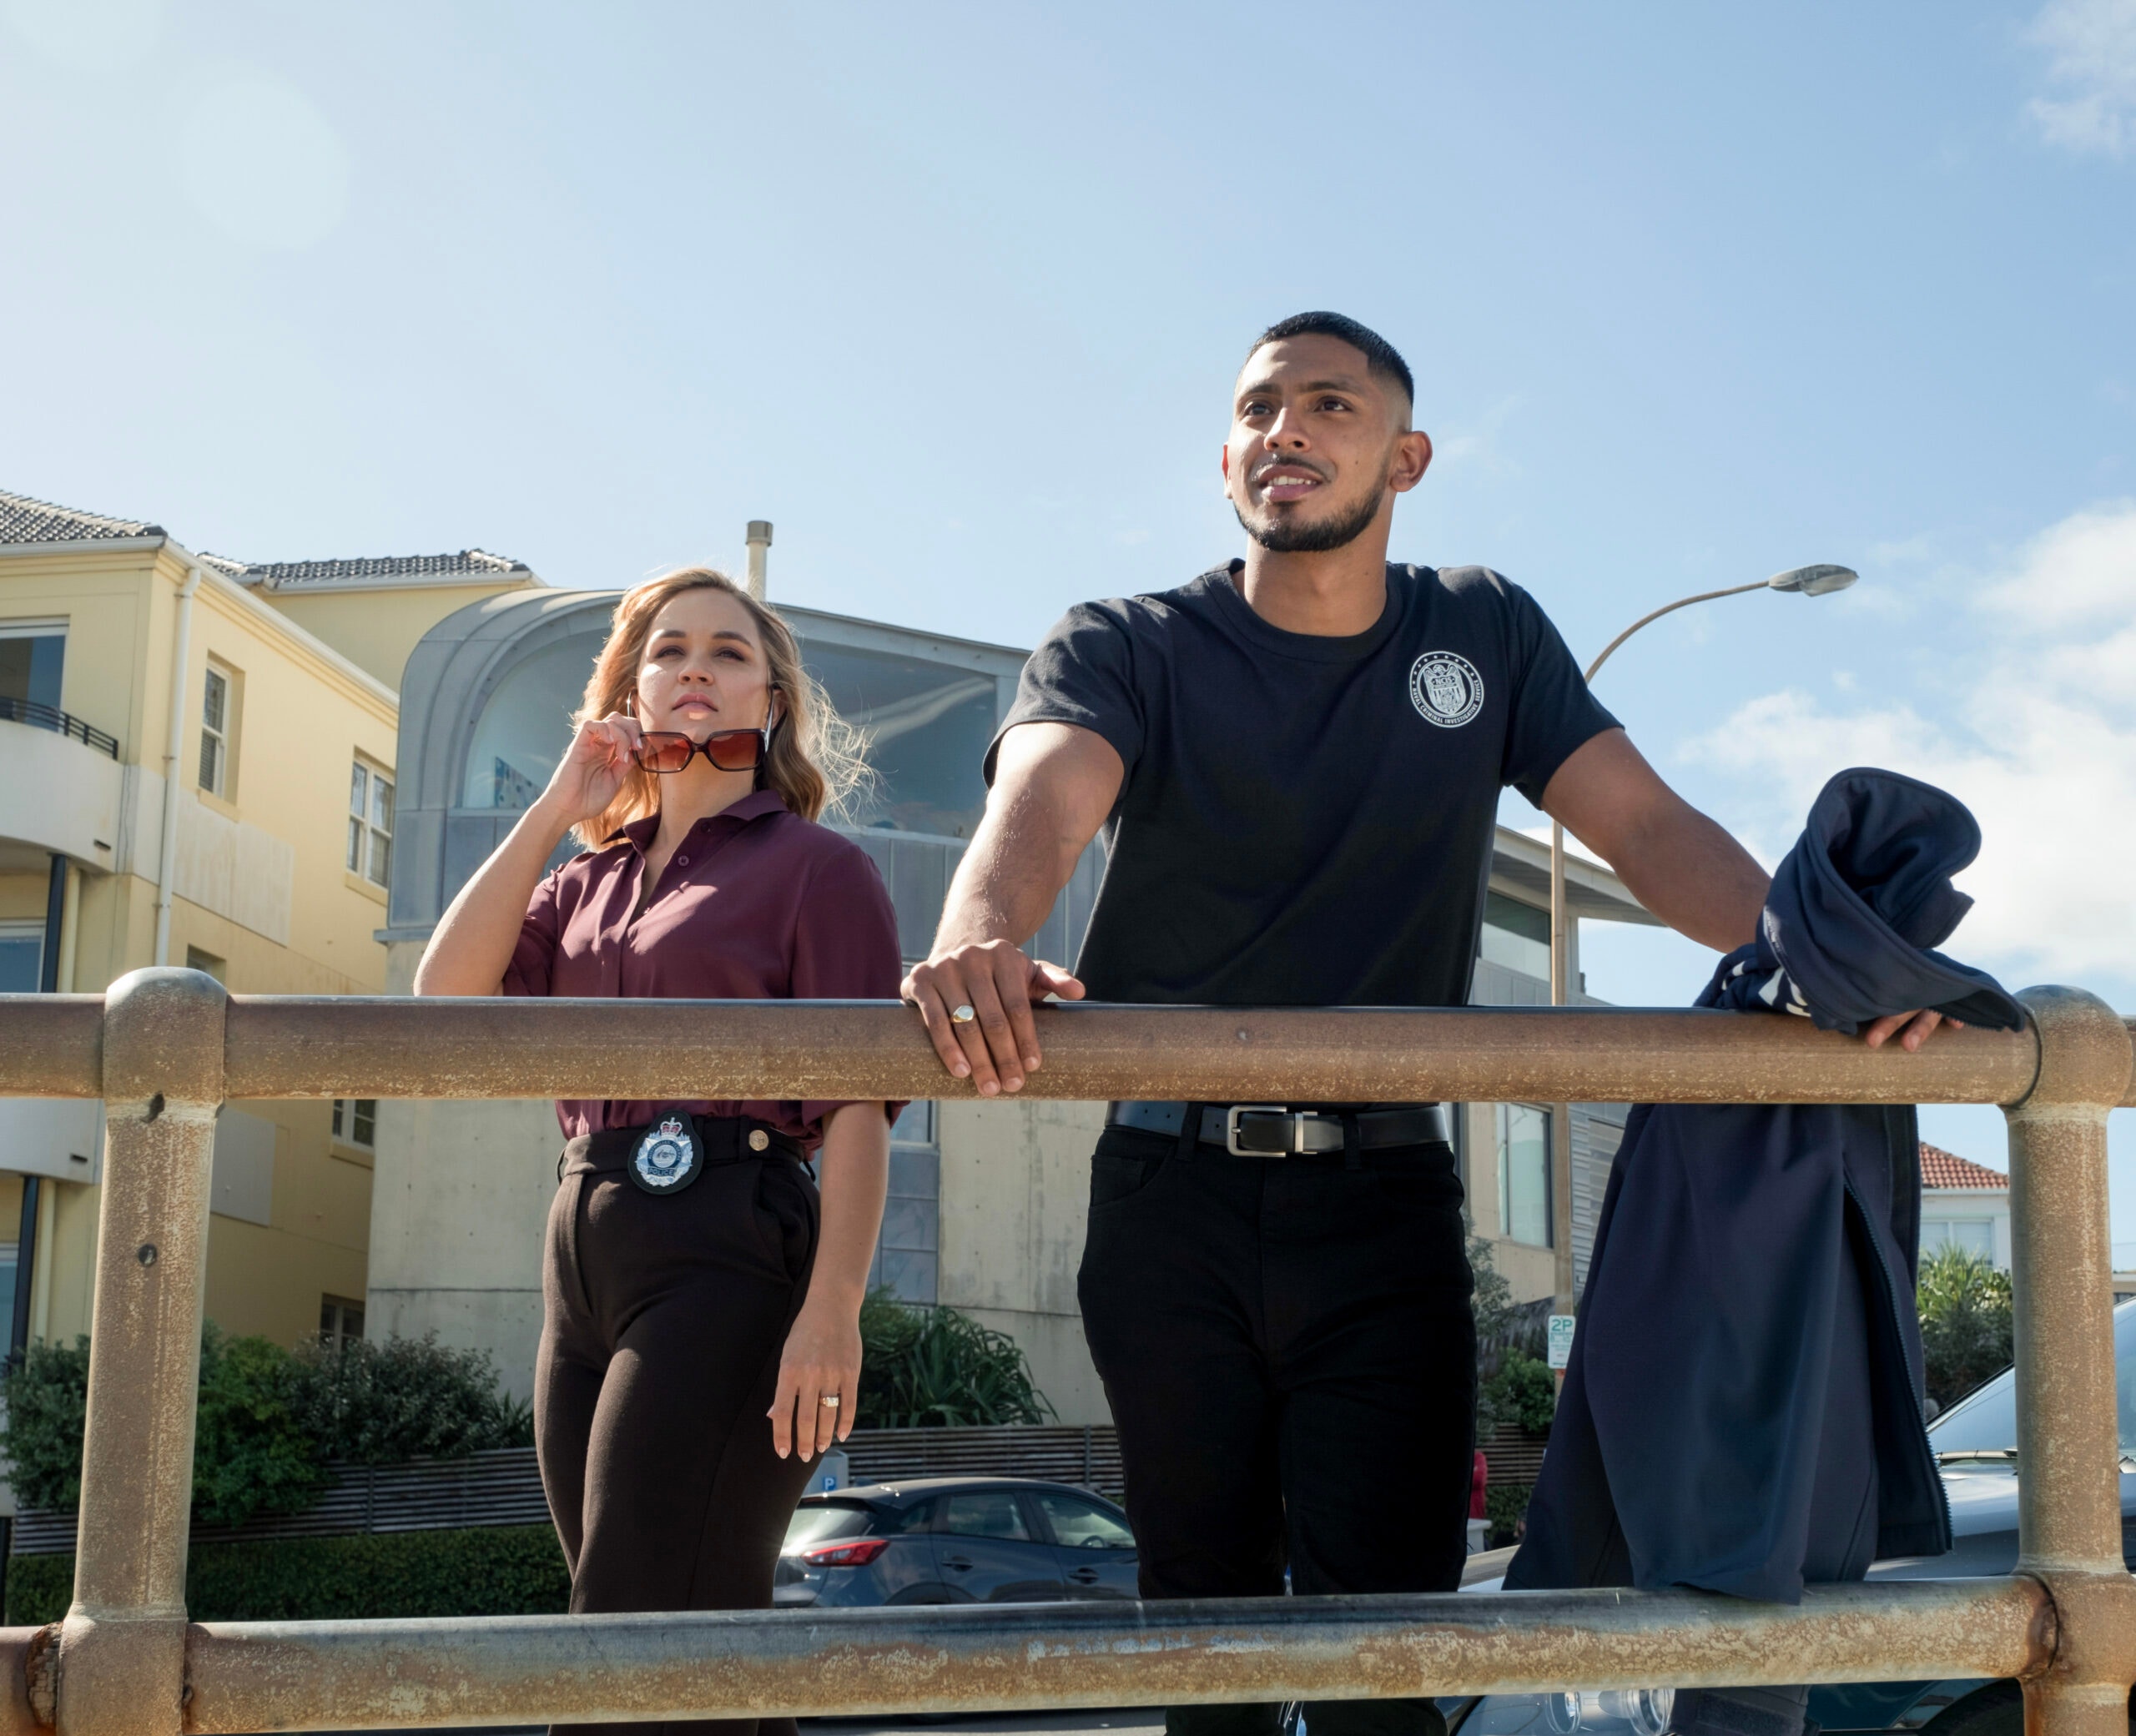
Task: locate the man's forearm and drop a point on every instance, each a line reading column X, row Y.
column 1695, row 876
column 1009, row 878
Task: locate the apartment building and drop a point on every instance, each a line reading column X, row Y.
column 197, row 766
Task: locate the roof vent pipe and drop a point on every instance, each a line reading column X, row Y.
column 759, row 540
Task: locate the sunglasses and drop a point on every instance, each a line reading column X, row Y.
column 729, row 750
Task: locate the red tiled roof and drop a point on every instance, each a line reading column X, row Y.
column 1943, row 1169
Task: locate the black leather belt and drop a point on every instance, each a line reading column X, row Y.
column 1272, row 1129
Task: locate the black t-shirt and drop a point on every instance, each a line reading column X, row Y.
column 1306, row 821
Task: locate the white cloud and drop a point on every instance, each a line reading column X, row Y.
column 2040, row 742
column 2092, row 45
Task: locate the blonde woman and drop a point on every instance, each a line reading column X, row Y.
column 700, row 1339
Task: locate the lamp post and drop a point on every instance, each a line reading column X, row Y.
column 1808, row 581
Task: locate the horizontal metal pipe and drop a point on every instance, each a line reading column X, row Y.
column 654, row 1049
column 278, row 1676
column 51, row 1046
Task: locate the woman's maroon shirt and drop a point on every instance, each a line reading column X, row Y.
column 756, row 904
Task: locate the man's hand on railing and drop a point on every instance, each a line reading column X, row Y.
column 976, row 999
column 1913, row 1028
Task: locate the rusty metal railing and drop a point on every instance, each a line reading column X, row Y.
column 165, row 1047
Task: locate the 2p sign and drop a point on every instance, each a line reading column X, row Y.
column 1561, row 1326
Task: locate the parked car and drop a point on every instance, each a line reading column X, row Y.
column 1976, row 1443
column 955, row 1540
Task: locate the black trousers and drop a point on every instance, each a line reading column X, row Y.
column 663, row 1320
column 1288, row 1351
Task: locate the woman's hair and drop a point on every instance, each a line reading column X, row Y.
column 817, row 760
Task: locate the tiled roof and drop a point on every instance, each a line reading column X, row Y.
column 369, row 570
column 25, row 521
column 1943, row 1169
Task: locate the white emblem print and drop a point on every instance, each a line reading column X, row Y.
column 1445, row 688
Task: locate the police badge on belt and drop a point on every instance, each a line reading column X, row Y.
column 668, row 1158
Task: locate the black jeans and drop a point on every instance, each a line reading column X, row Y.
column 1288, row 1350
column 663, row 1324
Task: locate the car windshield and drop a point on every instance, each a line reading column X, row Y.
column 818, row 1521
column 1987, row 1421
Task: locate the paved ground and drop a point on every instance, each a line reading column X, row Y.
column 1134, row 1721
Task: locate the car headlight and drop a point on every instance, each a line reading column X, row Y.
column 1613, row 1711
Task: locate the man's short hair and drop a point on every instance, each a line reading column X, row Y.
column 1381, row 357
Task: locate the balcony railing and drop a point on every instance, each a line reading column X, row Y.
column 59, row 722
column 165, row 1047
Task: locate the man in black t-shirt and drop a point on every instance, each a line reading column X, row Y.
column 1295, row 760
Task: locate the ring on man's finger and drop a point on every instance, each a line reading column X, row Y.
column 962, row 1016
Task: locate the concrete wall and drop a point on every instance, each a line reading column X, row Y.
column 376, row 629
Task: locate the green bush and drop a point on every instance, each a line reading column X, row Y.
column 270, row 1419
column 47, row 1397
column 1964, row 1305
column 408, row 1398
column 1505, row 1505
column 500, row 1570
column 936, row 1368
column 1523, row 1392
column 250, row 1453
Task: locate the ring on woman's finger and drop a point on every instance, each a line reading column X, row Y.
column 962, row 1016
column 830, row 1399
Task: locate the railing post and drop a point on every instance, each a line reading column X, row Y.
column 2069, row 1502
column 122, row 1648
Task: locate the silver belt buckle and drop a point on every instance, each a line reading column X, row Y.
column 1231, row 1126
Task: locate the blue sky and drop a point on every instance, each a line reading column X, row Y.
column 955, row 294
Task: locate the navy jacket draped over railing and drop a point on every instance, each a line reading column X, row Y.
column 1685, row 1448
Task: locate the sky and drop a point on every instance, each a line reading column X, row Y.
column 955, row 296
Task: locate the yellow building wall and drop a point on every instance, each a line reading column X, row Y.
column 375, row 629
column 307, row 710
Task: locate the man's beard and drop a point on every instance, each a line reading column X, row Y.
column 1288, row 536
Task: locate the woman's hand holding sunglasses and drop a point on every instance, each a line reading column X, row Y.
column 590, row 775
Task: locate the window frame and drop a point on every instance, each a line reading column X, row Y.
column 1502, row 1142
column 28, row 928
column 222, row 737
column 346, row 1130
column 368, row 843
column 39, row 627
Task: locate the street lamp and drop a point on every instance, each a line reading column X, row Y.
column 1809, row 581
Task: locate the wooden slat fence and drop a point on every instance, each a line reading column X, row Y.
column 1087, row 1455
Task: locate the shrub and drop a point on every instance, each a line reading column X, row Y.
column 936, row 1368
column 250, row 1454
column 408, row 1398
column 1505, row 1505
column 500, row 1570
column 268, row 1419
column 1523, row 1392
column 1964, row 1305
column 47, row 1397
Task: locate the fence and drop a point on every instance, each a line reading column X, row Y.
column 165, row 1047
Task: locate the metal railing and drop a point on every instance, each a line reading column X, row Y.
column 165, row 1047
column 59, row 722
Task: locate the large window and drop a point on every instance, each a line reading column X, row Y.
column 33, row 654
column 928, row 725
column 526, row 725
column 21, row 958
column 370, row 823
column 217, row 724
column 907, row 1256
column 1973, row 1235
column 1525, row 1173
column 1517, row 935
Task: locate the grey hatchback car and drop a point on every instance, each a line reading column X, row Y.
column 954, row 1540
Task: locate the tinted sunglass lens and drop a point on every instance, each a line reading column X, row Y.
column 733, row 750
column 664, row 753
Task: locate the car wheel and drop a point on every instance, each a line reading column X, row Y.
column 1997, row 1709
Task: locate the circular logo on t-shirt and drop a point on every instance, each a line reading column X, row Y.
column 1445, row 688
